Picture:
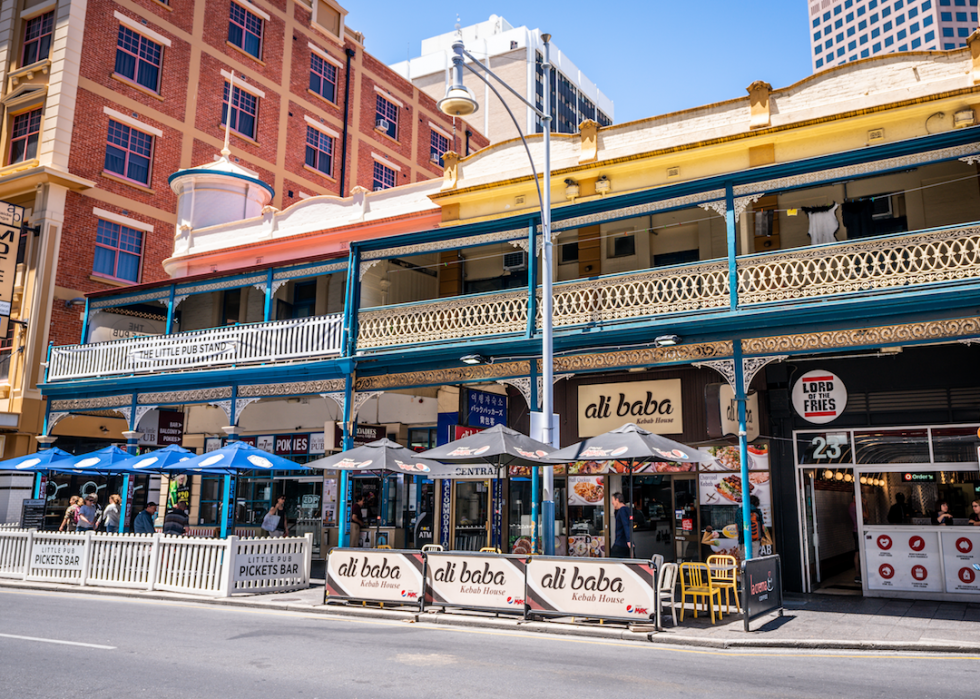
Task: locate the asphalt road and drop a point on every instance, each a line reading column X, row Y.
column 58, row 646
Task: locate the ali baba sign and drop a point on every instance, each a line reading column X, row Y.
column 653, row 405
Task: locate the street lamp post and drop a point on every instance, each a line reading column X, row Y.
column 459, row 101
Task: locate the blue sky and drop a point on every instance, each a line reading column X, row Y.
column 650, row 57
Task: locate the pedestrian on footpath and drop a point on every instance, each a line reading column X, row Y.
column 69, row 522
column 356, row 522
column 88, row 513
column 278, row 511
column 175, row 520
column 109, row 521
column 624, row 530
column 144, row 520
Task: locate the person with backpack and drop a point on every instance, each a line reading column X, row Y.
column 70, row 521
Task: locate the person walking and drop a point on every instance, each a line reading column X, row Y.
column 175, row 520
column 624, row 530
column 356, row 522
column 109, row 521
column 70, row 521
column 88, row 513
column 144, row 520
column 279, row 510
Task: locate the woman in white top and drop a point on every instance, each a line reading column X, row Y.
column 111, row 514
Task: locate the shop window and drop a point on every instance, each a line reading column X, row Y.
column 245, row 30
column 212, row 496
column 129, row 153
column 319, row 151
column 438, row 145
column 323, row 78
column 254, row 498
column 138, row 59
column 118, row 251
column 244, row 110
column 568, row 252
column 386, row 117
column 304, row 299
column 682, row 257
column 384, row 177
column 37, row 38
column 24, row 136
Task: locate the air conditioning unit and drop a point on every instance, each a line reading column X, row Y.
column 515, row 261
column 434, row 157
column 379, row 189
column 381, row 124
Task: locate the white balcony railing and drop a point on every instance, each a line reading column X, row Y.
column 898, row 261
column 238, row 344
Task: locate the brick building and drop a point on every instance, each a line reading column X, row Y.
column 103, row 100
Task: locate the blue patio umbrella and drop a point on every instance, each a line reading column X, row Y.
column 104, row 462
column 158, row 461
column 38, row 462
column 235, row 458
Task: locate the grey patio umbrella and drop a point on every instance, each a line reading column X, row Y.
column 632, row 444
column 383, row 456
column 498, row 446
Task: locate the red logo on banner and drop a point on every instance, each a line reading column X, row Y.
column 884, row 542
column 886, row 571
column 917, row 543
column 964, row 545
column 919, row 573
column 967, row 576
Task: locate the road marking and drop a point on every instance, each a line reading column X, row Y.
column 425, row 626
column 54, row 640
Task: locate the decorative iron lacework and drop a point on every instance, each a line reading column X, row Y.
column 854, row 170
column 201, row 395
column 886, row 263
column 639, row 210
column 288, row 274
column 219, row 285
column 290, row 389
column 450, row 244
column 90, row 403
column 111, row 301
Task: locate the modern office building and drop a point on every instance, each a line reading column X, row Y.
column 848, row 30
column 102, row 101
column 516, row 55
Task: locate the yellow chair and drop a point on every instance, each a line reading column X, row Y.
column 489, row 549
column 724, row 576
column 383, row 546
column 696, row 582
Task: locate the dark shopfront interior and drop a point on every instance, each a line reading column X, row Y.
column 918, row 386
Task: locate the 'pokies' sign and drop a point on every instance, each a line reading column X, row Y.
column 601, row 589
column 380, row 576
column 819, row 397
column 475, row 581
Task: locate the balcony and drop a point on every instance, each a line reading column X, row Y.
column 253, row 343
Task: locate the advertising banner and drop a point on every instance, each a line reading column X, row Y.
column 597, row 589
column 475, row 581
column 961, row 551
column 375, row 575
column 762, row 586
column 486, row 409
column 11, row 219
column 903, row 560
column 269, row 566
column 58, row 556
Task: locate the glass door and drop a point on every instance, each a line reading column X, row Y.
column 686, row 527
column 472, row 516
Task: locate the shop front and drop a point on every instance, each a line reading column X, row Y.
column 886, row 478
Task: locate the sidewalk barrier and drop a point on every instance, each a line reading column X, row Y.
column 539, row 586
column 211, row 567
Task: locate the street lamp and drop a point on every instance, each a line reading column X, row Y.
column 459, row 102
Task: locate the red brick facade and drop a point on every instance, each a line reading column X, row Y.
column 186, row 110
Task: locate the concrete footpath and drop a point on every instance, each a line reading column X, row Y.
column 809, row 621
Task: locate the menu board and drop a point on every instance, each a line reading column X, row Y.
column 726, row 489
column 961, row 552
column 903, row 560
column 32, row 514
column 727, row 457
column 586, row 491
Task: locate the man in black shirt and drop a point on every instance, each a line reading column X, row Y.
column 624, row 528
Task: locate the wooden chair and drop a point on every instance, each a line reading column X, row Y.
column 724, row 576
column 666, row 586
column 696, row 582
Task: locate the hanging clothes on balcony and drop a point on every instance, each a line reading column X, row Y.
column 823, row 223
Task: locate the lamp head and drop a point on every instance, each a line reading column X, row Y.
column 458, row 101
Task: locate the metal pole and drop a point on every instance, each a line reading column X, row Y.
column 743, row 448
column 547, row 342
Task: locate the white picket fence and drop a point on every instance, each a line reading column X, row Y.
column 211, row 567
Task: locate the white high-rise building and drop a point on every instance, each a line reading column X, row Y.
column 515, row 54
column 848, row 30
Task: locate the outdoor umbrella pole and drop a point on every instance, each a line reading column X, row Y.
column 630, row 533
